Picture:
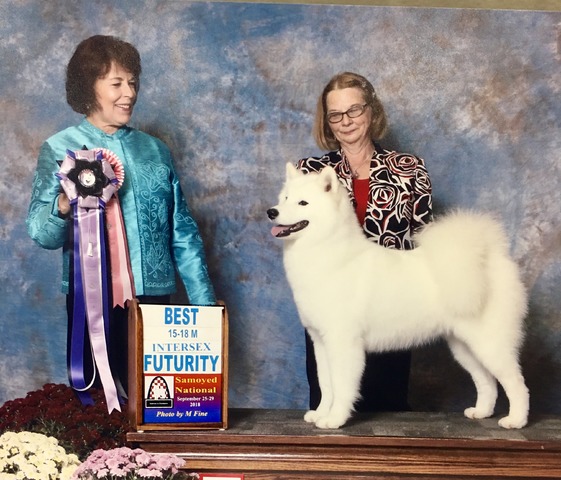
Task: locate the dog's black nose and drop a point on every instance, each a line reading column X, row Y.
column 272, row 213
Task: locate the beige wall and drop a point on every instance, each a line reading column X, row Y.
column 552, row 5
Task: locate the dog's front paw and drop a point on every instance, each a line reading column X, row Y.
column 512, row 421
column 311, row 416
column 327, row 423
column 475, row 413
column 331, row 421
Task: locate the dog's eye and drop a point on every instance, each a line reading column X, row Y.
column 303, row 203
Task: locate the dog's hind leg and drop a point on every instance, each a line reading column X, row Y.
column 502, row 362
column 511, row 379
column 485, row 382
column 506, row 369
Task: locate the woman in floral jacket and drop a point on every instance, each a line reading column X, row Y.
column 391, row 193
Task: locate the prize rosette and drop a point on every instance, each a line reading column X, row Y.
column 90, row 179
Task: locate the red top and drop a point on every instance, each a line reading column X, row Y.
column 360, row 189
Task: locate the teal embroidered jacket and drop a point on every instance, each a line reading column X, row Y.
column 161, row 232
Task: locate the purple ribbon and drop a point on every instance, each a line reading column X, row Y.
column 77, row 338
column 90, row 278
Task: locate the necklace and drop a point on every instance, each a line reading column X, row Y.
column 354, row 172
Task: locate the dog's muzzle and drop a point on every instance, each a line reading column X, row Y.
column 280, row 231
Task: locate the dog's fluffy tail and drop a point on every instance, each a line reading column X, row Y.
column 462, row 247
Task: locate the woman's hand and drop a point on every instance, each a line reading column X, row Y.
column 63, row 205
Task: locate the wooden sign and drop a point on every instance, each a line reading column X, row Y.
column 178, row 367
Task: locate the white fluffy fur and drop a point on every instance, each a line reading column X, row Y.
column 355, row 296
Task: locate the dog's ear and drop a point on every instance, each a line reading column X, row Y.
column 291, row 171
column 328, row 178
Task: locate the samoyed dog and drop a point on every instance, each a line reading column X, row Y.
column 354, row 296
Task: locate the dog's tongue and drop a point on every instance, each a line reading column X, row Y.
column 277, row 230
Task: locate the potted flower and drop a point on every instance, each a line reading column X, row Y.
column 55, row 411
column 131, row 464
column 34, row 456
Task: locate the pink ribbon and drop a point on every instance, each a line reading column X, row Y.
column 121, row 272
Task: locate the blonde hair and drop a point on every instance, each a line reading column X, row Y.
column 322, row 131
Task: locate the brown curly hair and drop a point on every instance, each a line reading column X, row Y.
column 91, row 60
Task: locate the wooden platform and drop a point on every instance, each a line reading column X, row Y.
column 278, row 444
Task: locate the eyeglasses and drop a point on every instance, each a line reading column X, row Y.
column 353, row 112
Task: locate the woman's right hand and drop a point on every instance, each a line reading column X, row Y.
column 63, row 205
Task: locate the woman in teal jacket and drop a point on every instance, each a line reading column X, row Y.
column 102, row 83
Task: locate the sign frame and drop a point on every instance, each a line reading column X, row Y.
column 136, row 375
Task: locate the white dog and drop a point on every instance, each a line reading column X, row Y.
column 354, row 296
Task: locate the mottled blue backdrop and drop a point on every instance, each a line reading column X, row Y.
column 231, row 87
